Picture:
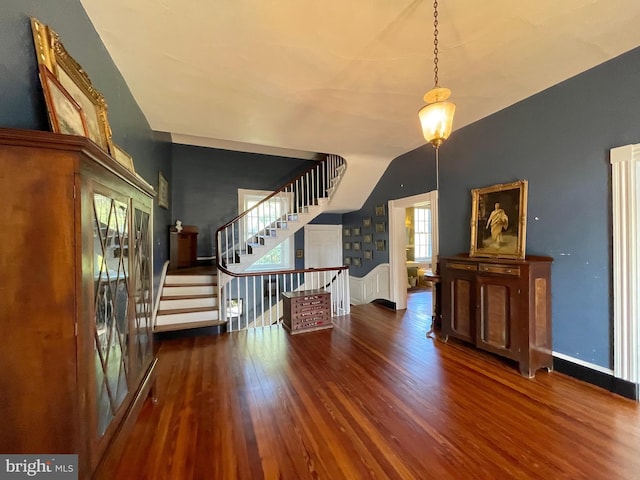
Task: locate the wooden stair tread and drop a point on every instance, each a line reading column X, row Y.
column 186, row 326
column 168, row 284
column 177, row 311
column 187, row 297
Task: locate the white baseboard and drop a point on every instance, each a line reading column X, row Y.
column 589, row 365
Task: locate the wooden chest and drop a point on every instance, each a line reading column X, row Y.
column 306, row 311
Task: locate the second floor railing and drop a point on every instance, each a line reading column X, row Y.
column 252, row 300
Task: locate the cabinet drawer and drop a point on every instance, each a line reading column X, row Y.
column 462, row 266
column 499, row 269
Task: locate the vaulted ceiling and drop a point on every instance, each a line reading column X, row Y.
column 345, row 76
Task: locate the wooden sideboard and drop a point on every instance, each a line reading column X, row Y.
column 306, row 310
column 76, row 340
column 501, row 306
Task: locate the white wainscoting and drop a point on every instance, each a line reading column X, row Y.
column 373, row 286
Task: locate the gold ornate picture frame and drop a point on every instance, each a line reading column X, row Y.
column 65, row 115
column 51, row 53
column 499, row 220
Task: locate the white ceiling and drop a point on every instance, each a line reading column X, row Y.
column 345, row 76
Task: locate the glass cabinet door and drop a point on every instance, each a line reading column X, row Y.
column 111, row 305
column 142, row 335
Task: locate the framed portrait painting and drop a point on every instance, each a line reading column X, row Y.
column 499, row 220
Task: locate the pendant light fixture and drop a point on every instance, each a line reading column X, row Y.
column 436, row 117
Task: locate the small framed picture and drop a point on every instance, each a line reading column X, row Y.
column 64, row 112
column 357, row 261
column 346, row 232
column 368, row 254
column 357, row 246
column 299, row 253
column 366, row 222
column 347, row 245
column 368, row 238
column 122, row 157
column 347, row 260
column 163, row 191
column 380, row 211
column 357, row 231
column 380, row 227
column 380, row 245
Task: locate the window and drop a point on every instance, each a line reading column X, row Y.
column 422, row 240
column 281, row 257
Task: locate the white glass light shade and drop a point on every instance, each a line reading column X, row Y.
column 437, row 121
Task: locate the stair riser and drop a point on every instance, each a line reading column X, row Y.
column 169, row 291
column 188, row 303
column 178, row 318
column 189, row 279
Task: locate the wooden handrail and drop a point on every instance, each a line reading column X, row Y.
column 282, row 272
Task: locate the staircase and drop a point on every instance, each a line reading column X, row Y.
column 189, row 300
column 255, row 232
column 189, row 297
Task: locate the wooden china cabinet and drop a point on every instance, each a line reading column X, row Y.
column 500, row 305
column 76, row 344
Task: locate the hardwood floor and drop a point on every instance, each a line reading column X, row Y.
column 371, row 398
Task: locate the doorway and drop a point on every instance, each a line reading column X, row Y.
column 322, row 246
column 398, row 241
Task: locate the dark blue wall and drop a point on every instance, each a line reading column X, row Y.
column 559, row 141
column 410, row 174
column 206, row 183
column 22, row 102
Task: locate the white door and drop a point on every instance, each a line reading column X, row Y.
column 322, row 246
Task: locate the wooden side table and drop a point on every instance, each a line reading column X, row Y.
column 183, row 247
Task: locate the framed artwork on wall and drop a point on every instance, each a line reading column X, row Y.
column 357, row 231
column 357, row 261
column 380, row 211
column 380, row 227
column 163, row 191
column 366, row 222
column 499, row 220
column 346, row 232
column 368, row 238
column 368, row 254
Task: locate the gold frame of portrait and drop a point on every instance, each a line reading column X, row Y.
column 505, row 243
column 51, row 53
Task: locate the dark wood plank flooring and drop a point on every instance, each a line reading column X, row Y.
column 372, row 398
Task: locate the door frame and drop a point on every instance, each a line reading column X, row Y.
column 397, row 242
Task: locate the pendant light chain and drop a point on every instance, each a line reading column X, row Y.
column 435, row 42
